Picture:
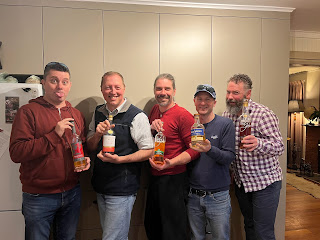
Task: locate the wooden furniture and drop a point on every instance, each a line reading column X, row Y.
column 312, row 140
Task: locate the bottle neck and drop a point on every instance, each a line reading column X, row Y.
column 197, row 119
column 110, row 119
column 245, row 107
column 73, row 127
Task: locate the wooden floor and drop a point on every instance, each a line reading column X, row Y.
column 302, row 216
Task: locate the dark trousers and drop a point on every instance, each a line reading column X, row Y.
column 166, row 212
column 259, row 211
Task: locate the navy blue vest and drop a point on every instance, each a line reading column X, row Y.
column 117, row 179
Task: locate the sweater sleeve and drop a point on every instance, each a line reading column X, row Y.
column 24, row 146
column 225, row 154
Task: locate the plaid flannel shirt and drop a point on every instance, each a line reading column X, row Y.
column 258, row 169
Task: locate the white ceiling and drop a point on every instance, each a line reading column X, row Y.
column 304, row 17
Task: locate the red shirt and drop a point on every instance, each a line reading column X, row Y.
column 177, row 123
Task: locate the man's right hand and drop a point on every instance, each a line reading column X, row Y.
column 63, row 125
column 157, row 125
column 103, row 127
column 166, row 164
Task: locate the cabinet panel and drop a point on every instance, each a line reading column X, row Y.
column 131, row 47
column 236, row 47
column 12, row 225
column 274, row 90
column 185, row 52
column 21, row 36
column 74, row 37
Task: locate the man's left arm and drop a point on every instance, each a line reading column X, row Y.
column 141, row 134
column 185, row 123
column 270, row 140
column 224, row 154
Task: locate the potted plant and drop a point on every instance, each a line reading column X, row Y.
column 313, row 114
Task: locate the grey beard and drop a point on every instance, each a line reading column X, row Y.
column 233, row 110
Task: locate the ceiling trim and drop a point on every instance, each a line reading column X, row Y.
column 304, row 34
column 196, row 5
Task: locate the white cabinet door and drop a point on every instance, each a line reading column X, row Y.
column 12, row 225
column 185, row 52
column 236, row 48
column 21, row 36
column 131, row 47
column 74, row 37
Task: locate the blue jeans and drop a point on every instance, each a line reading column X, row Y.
column 60, row 209
column 259, row 210
column 115, row 215
column 213, row 208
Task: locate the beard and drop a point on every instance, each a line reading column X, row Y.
column 234, row 109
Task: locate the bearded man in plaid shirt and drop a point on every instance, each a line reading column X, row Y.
column 256, row 170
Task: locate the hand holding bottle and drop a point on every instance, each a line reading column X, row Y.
column 205, row 146
column 160, row 166
column 103, row 127
column 86, row 167
column 250, row 143
column 63, row 125
column 157, row 125
column 108, row 157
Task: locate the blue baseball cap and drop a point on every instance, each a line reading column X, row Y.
column 206, row 88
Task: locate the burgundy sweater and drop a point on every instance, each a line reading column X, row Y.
column 177, row 123
column 45, row 157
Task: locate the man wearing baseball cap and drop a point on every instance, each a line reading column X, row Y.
column 209, row 199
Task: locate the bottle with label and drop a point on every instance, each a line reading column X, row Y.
column 109, row 139
column 77, row 150
column 159, row 147
column 197, row 131
column 244, row 122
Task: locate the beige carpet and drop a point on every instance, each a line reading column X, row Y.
column 303, row 185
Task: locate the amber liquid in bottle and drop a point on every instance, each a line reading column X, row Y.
column 197, row 131
column 245, row 123
column 159, row 147
column 79, row 161
column 109, row 139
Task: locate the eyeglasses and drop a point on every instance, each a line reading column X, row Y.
column 207, row 88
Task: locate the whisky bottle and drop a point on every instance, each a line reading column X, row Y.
column 77, row 150
column 197, row 131
column 159, row 147
column 244, row 122
column 109, row 139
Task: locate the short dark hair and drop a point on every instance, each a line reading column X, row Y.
column 61, row 67
column 242, row 78
column 110, row 73
column 165, row 76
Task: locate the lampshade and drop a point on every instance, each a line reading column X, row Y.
column 295, row 106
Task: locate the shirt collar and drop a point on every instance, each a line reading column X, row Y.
column 118, row 109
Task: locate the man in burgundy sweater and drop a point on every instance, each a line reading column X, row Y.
column 40, row 140
column 166, row 214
